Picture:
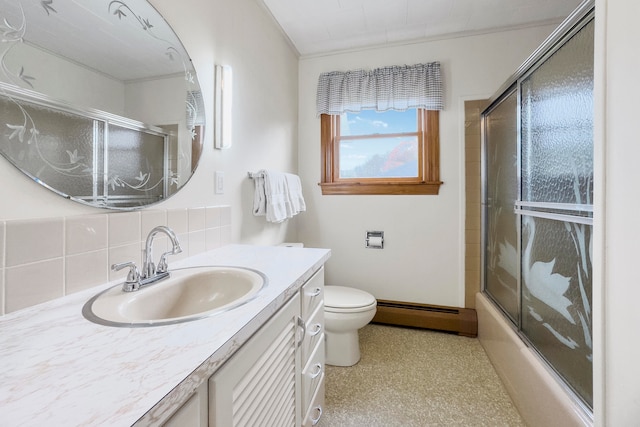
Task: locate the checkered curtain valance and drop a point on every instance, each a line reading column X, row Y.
column 389, row 88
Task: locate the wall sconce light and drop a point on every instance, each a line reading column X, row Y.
column 224, row 98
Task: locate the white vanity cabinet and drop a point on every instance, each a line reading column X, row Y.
column 193, row 413
column 259, row 385
column 277, row 378
column 312, row 349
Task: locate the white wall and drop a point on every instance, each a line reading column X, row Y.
column 237, row 33
column 617, row 151
column 423, row 256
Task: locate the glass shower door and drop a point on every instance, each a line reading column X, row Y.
column 556, row 209
column 501, row 193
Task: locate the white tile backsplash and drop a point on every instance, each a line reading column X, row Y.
column 124, row 228
column 150, row 219
column 2, row 251
column 178, row 220
column 86, row 270
column 33, row 283
column 197, row 242
column 212, row 216
column 33, row 241
column 48, row 258
column 197, row 218
column 86, row 233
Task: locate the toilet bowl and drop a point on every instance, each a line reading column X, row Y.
column 345, row 311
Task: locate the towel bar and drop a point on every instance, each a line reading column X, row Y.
column 253, row 175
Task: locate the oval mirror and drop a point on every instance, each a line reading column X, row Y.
column 99, row 100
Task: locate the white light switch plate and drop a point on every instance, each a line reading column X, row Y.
column 219, row 182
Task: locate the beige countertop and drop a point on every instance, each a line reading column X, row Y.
column 57, row 368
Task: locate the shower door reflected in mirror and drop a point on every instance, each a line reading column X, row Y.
column 501, row 192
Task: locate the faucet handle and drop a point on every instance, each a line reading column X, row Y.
column 162, row 266
column 133, row 277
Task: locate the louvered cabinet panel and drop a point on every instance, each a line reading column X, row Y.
column 258, row 386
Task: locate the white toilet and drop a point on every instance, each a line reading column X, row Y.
column 345, row 311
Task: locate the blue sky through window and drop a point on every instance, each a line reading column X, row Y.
column 379, row 157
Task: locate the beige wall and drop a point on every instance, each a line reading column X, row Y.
column 472, row 140
column 423, row 259
column 616, row 290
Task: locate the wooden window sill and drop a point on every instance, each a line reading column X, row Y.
column 344, row 188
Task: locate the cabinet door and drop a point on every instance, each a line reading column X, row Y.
column 194, row 411
column 258, row 386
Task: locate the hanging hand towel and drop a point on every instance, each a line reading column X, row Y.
column 271, row 198
column 296, row 200
column 259, row 195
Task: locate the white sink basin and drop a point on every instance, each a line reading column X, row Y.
column 189, row 294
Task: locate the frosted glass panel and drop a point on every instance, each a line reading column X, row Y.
column 136, row 164
column 501, row 272
column 557, row 125
column 556, row 297
column 538, row 263
column 50, row 145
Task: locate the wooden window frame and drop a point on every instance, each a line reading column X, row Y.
column 428, row 180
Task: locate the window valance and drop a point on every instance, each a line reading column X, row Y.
column 389, row 88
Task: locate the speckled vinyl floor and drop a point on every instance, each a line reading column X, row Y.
column 411, row 377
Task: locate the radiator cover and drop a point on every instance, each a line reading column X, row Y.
column 462, row 321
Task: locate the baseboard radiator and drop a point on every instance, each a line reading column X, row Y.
column 462, row 321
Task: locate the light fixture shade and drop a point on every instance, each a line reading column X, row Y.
column 224, row 100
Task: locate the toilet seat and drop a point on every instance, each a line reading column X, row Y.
column 341, row 299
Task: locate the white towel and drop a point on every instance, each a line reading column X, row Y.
column 278, row 196
column 259, row 195
column 296, row 200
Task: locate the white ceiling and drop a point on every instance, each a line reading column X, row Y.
column 320, row 26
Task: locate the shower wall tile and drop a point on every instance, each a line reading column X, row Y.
column 86, row 233
column 33, row 240
column 45, row 282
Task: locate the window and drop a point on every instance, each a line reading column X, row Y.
column 387, row 152
column 380, row 130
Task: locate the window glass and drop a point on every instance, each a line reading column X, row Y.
column 369, row 122
column 365, row 152
column 379, row 157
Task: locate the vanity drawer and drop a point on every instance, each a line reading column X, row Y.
column 312, row 374
column 314, row 333
column 312, row 293
column 314, row 412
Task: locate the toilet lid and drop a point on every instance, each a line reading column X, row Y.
column 344, row 297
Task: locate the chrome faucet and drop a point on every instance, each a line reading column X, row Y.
column 150, row 272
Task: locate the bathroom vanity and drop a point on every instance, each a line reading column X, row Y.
column 60, row 369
